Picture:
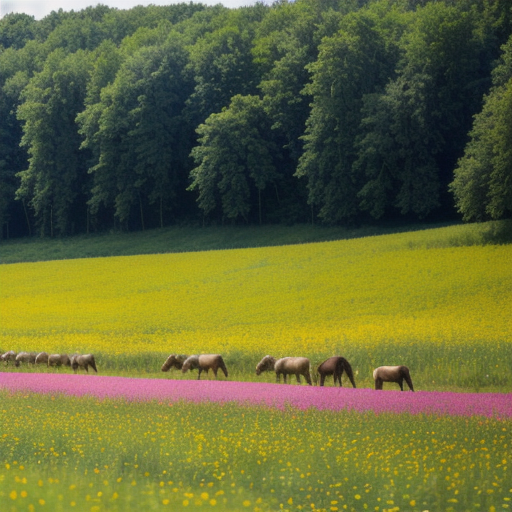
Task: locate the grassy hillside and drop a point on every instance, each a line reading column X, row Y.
column 191, row 239
column 437, row 300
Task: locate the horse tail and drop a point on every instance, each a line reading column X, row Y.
column 350, row 373
column 407, row 377
column 222, row 366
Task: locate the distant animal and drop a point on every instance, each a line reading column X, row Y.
column 203, row 363
column 286, row 366
column 42, row 358
column 58, row 360
column 392, row 374
column 174, row 361
column 267, row 364
column 335, row 366
column 9, row 356
column 25, row 357
column 83, row 361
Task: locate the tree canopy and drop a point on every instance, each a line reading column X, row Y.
column 333, row 111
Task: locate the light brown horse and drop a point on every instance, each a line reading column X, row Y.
column 392, row 374
column 9, row 356
column 42, row 358
column 203, row 363
column 335, row 366
column 25, row 357
column 58, row 360
column 286, row 366
column 83, row 361
column 174, row 361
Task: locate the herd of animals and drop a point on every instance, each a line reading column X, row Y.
column 298, row 366
column 76, row 361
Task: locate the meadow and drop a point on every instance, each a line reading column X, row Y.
column 438, row 300
column 431, row 299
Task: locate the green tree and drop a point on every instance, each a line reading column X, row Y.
column 53, row 183
column 351, row 64
column 235, row 159
column 137, row 132
column 414, row 131
column 483, row 178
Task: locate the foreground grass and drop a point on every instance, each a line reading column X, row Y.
column 62, row 453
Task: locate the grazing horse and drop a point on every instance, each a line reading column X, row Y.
column 267, row 364
column 42, row 358
column 392, row 374
column 25, row 357
column 9, row 356
column 335, row 366
column 286, row 366
column 205, row 362
column 174, row 361
column 58, row 360
column 83, row 361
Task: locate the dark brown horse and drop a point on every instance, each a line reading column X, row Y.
column 335, row 366
column 392, row 374
column 174, row 361
column 203, row 363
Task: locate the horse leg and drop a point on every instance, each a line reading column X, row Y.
column 297, row 375
column 322, row 379
column 378, row 383
column 401, row 383
column 215, row 371
column 199, row 373
column 307, row 376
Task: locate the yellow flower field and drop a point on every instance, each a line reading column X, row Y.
column 351, row 297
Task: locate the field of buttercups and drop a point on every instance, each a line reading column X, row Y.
column 99, row 443
column 399, row 299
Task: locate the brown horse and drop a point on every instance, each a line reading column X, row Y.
column 286, row 366
column 267, row 364
column 174, row 361
column 392, row 374
column 83, row 361
column 335, row 366
column 58, row 360
column 203, row 363
column 25, row 357
column 9, row 356
column 42, row 358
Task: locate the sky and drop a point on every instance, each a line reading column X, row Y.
column 41, row 8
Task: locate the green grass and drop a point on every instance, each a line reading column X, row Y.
column 63, row 453
column 193, row 238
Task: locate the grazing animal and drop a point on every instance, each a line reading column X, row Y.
column 25, row 357
column 174, row 361
column 58, row 360
column 83, row 361
column 267, row 364
column 42, row 358
column 205, row 362
column 286, row 366
column 9, row 356
column 392, row 374
column 335, row 366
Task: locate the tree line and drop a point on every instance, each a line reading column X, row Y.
column 333, row 111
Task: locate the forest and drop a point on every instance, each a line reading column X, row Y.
column 339, row 112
